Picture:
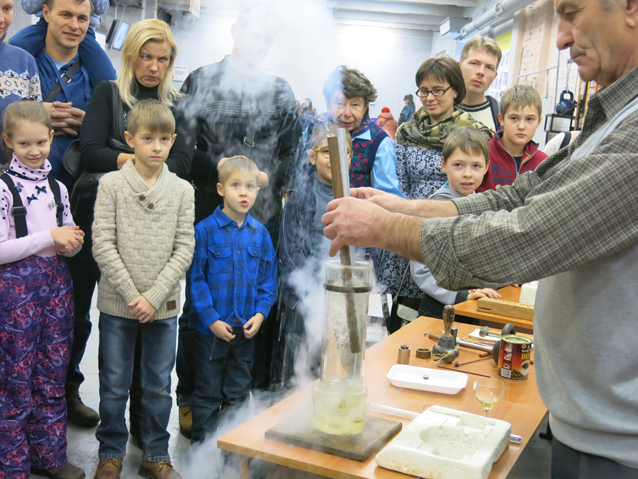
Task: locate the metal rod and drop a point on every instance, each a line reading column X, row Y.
column 341, row 185
column 466, row 372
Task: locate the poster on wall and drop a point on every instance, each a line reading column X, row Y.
column 502, row 81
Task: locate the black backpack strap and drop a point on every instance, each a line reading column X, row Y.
column 567, row 138
column 55, row 189
column 66, row 78
column 18, row 210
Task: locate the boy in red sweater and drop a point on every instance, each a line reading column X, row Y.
column 512, row 151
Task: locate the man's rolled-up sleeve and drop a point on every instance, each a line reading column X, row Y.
column 562, row 216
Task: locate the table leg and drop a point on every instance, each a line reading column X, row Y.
column 244, row 461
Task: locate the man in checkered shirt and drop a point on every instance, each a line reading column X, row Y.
column 573, row 224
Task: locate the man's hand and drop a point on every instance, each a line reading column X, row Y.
column 252, row 325
column 64, row 118
column 482, row 293
column 142, row 309
column 385, row 200
column 354, row 222
column 222, row 330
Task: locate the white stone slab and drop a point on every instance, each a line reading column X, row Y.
column 444, row 443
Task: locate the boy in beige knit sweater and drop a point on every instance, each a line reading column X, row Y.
column 143, row 242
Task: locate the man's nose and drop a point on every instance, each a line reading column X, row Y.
column 73, row 22
column 564, row 37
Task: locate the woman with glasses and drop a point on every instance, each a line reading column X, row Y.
column 348, row 94
column 418, row 144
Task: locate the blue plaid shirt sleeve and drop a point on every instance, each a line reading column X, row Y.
column 267, row 282
column 201, row 297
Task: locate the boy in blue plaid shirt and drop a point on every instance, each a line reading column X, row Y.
column 233, row 282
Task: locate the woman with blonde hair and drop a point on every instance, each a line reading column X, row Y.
column 146, row 71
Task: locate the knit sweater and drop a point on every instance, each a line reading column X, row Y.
column 143, row 240
column 19, row 79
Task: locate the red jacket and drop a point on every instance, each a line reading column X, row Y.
column 387, row 122
column 502, row 169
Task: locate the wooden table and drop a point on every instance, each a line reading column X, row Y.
column 509, row 293
column 521, row 406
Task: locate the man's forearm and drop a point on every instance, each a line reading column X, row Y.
column 400, row 234
column 428, row 208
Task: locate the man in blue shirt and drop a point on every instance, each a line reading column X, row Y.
column 68, row 22
column 233, row 281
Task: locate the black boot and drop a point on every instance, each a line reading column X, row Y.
column 77, row 413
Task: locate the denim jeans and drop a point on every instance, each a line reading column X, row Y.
column 116, row 357
column 223, row 377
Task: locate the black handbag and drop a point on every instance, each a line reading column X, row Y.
column 86, row 184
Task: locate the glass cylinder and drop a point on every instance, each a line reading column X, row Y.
column 338, row 397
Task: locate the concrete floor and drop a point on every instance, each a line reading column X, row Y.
column 534, row 462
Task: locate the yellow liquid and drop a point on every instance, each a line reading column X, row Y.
column 487, row 399
column 338, row 407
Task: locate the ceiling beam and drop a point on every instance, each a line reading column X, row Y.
column 404, row 8
column 424, row 31
column 390, row 18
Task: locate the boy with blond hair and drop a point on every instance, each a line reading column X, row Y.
column 233, row 285
column 465, row 161
column 143, row 243
column 479, row 63
column 512, row 150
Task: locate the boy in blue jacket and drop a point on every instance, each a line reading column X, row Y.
column 233, row 286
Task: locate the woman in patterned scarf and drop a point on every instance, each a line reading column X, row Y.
column 419, row 143
column 348, row 94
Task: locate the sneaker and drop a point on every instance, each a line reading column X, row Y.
column 109, row 469
column 185, row 421
column 65, row 471
column 77, row 413
column 158, row 470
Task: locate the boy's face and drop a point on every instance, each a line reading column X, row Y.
column 464, row 171
column 321, row 159
column 479, row 71
column 239, row 192
column 519, row 126
column 151, row 149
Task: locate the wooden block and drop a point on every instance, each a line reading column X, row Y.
column 505, row 308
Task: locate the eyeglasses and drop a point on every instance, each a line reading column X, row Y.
column 423, row 92
column 326, row 152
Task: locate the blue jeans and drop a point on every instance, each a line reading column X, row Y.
column 116, row 357
column 223, row 378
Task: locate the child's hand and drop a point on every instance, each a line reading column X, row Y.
column 482, row 293
column 222, row 330
column 252, row 325
column 142, row 309
column 67, row 238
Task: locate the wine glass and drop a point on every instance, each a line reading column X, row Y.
column 488, row 392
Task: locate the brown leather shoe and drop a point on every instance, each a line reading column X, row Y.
column 65, row 471
column 185, row 421
column 158, row 470
column 78, row 413
column 109, row 469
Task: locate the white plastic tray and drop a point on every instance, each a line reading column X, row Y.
column 439, row 381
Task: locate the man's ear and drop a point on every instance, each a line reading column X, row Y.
column 129, row 139
column 500, row 119
column 631, row 12
column 46, row 12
